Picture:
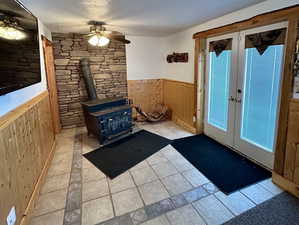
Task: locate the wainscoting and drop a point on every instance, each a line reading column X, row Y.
column 26, row 144
column 177, row 95
column 146, row 93
column 291, row 170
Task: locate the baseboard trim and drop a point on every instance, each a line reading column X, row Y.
column 36, row 192
column 183, row 124
column 285, row 184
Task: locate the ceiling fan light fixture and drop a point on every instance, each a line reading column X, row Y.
column 11, row 33
column 98, row 40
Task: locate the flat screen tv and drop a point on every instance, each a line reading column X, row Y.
column 19, row 47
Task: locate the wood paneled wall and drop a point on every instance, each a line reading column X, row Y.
column 26, row 141
column 180, row 98
column 177, row 95
column 146, row 93
column 291, row 167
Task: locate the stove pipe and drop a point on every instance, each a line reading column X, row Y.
column 91, row 90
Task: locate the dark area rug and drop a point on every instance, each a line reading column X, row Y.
column 225, row 168
column 280, row 210
column 118, row 157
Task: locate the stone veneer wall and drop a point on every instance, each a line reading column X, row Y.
column 108, row 66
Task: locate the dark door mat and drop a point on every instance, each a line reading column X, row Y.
column 283, row 209
column 118, row 157
column 225, row 168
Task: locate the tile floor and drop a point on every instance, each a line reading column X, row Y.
column 164, row 189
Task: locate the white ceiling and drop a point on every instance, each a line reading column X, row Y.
column 133, row 17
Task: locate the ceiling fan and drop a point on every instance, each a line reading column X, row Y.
column 10, row 26
column 100, row 36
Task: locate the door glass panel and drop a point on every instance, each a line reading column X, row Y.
column 219, row 75
column 261, row 95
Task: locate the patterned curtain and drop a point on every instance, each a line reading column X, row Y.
column 261, row 41
column 219, row 46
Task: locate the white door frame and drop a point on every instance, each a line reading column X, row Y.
column 232, row 139
column 224, row 137
column 252, row 151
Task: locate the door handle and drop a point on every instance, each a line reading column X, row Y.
column 232, row 99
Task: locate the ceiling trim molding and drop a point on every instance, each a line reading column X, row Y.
column 259, row 20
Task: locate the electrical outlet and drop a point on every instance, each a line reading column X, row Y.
column 11, row 218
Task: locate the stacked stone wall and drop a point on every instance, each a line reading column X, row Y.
column 108, row 67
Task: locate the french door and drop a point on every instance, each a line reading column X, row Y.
column 243, row 77
column 220, row 88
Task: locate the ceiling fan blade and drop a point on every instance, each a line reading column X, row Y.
column 119, row 38
column 88, row 35
column 10, row 13
column 98, row 28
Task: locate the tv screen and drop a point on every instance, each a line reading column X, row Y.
column 19, row 47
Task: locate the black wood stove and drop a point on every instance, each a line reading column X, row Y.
column 108, row 119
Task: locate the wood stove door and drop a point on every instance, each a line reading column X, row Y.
column 116, row 123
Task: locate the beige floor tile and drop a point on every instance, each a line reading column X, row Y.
column 69, row 132
column 63, row 137
column 257, row 193
column 50, row 202
column 181, row 134
column 64, row 145
column 156, row 158
column 66, row 148
column 55, row 183
column 166, row 132
column 161, row 220
column 210, row 188
column 186, row 215
column 166, row 149
column 94, row 189
column 87, row 149
column 153, row 192
column 270, row 186
column 122, row 182
column 49, row 219
column 62, row 157
column 144, row 175
column 182, row 164
column 126, row 201
column 92, row 173
column 195, row 177
column 86, row 163
column 89, row 144
column 171, row 154
column 164, row 169
column 97, row 211
column 236, row 202
column 167, row 129
column 60, row 168
column 176, row 184
column 212, row 210
column 140, row 165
